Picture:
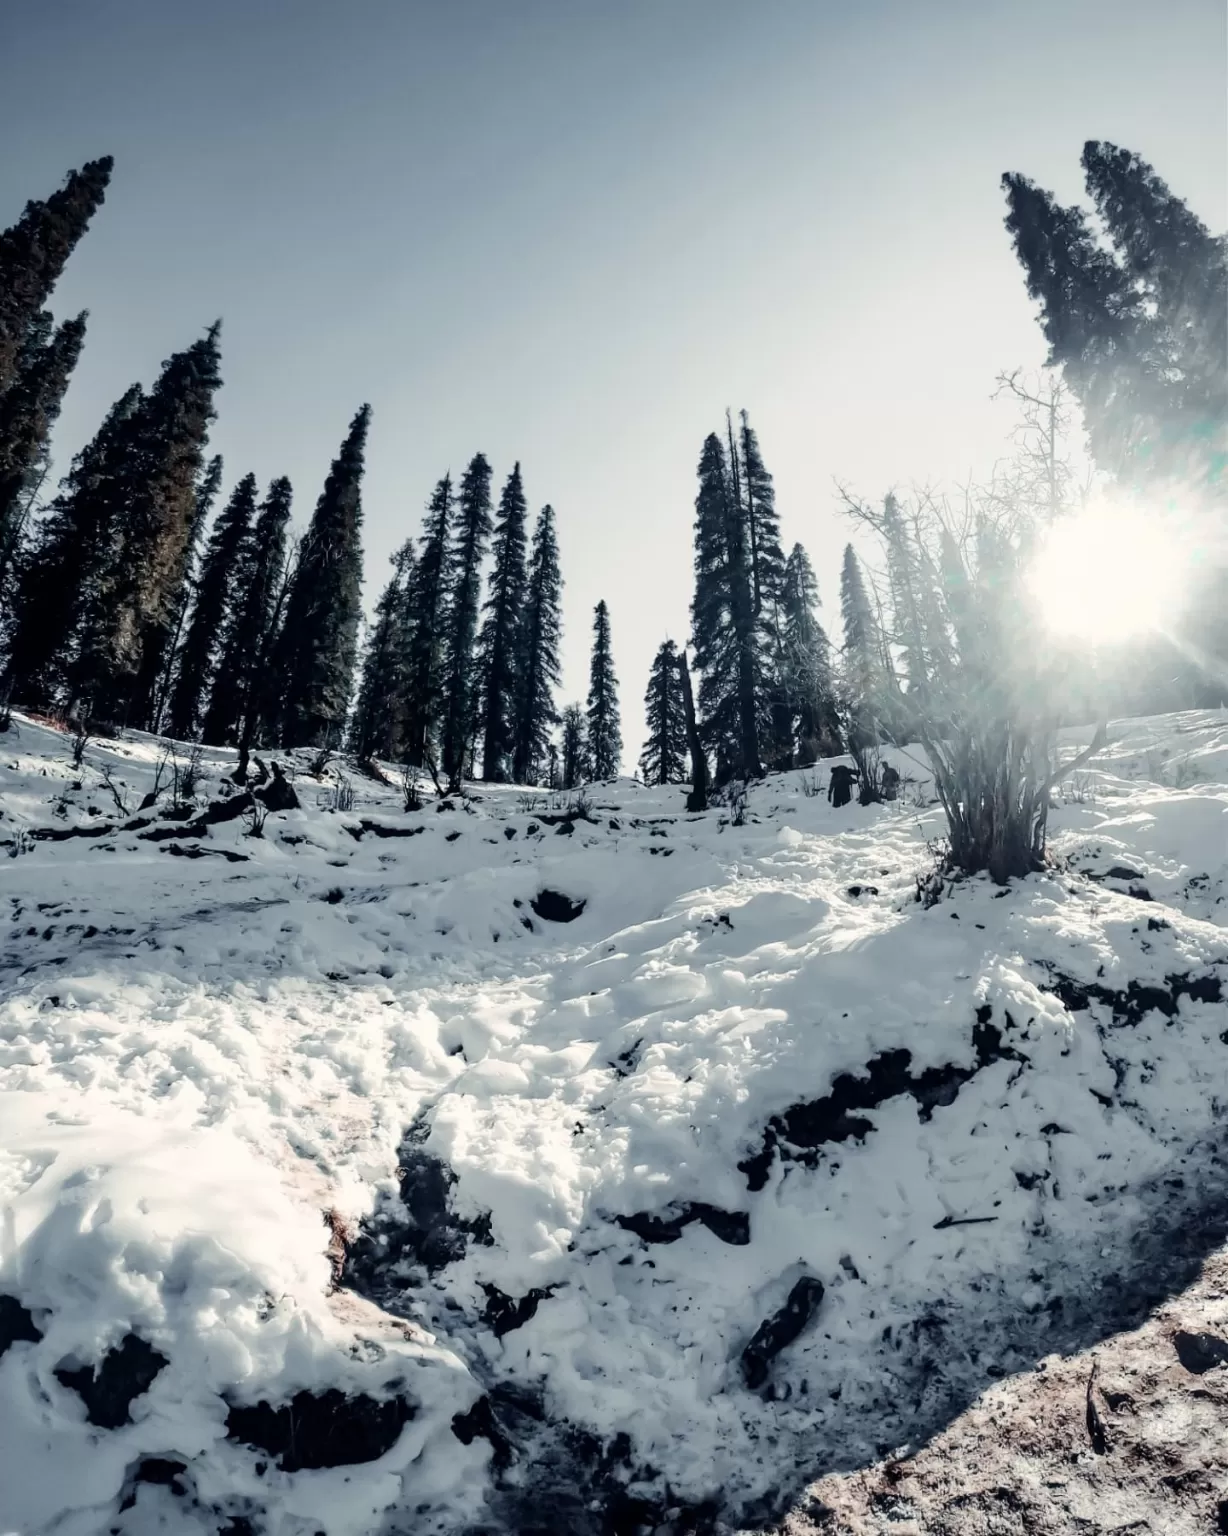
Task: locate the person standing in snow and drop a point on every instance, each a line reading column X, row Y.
column 840, row 788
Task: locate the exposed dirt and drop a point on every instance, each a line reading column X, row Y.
column 1130, row 1437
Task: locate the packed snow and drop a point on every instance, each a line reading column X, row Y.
column 612, row 1168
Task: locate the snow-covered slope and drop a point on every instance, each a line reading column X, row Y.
column 346, row 1187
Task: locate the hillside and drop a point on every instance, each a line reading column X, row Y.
column 518, row 1164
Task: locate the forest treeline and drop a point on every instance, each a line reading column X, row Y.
column 145, row 590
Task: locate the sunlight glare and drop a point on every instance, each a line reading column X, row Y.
column 1106, row 573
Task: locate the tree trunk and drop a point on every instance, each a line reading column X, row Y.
column 697, row 800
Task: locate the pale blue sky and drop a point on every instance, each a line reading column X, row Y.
column 572, row 232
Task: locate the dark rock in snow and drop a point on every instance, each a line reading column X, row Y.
column 109, row 1390
column 321, row 1429
column 278, row 794
column 554, row 907
column 652, row 1227
column 503, row 1313
column 780, row 1329
column 1200, row 1352
column 16, row 1324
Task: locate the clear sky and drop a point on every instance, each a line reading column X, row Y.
column 571, row 232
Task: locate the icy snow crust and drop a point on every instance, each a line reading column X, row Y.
column 200, row 1056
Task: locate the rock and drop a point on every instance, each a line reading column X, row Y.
column 109, row 1390
column 653, row 1227
column 321, row 1429
column 503, row 1313
column 780, row 1330
column 1200, row 1352
column 16, row 1324
column 278, row 794
column 554, row 907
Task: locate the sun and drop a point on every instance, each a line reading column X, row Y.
column 1107, row 573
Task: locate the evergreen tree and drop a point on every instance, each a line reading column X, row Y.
column 324, row 604
column 207, row 488
column 217, row 594
column 33, row 254
column 377, row 728
column 243, row 685
column 424, row 683
column 500, row 646
column 28, row 411
column 664, row 758
column 725, row 631
column 767, row 560
column 71, row 554
column 863, row 653
column 808, row 683
column 464, row 582
column 575, row 764
column 131, row 614
column 538, row 668
column 605, row 742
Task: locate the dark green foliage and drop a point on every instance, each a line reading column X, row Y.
column 131, row 613
column 605, row 743
column 243, row 687
column 465, row 574
column 33, row 254
column 758, row 496
column 377, row 728
column 808, row 685
column 725, row 629
column 324, row 605
column 217, row 595
column 70, row 558
column 575, row 762
column 499, row 646
column 664, row 758
column 207, row 489
column 539, row 672
column 424, row 683
column 864, row 682
column 28, row 410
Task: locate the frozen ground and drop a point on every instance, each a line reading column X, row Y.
column 346, row 1188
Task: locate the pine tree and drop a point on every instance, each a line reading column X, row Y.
column 499, row 646
column 242, row 689
column 575, row 764
column 33, row 254
column 863, row 653
column 207, row 488
column 725, row 632
column 217, row 594
column 767, row 560
column 605, row 742
column 377, row 728
column 324, row 605
column 664, row 758
column 424, row 683
column 71, row 554
column 538, row 668
column 129, row 623
column 808, row 683
column 464, row 582
column 28, row 411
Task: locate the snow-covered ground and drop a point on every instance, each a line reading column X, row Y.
column 754, row 1169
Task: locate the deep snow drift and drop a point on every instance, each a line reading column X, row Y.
column 347, row 1187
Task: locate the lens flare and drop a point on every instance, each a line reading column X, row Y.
column 1107, row 573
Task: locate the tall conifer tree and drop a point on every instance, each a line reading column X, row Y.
column 575, row 760
column 324, row 605
column 217, row 595
column 465, row 575
column 538, row 669
column 34, row 251
column 243, row 687
column 864, row 681
column 424, row 682
column 500, row 650
column 809, row 685
column 664, row 758
column 207, row 488
column 377, row 728
column 605, row 742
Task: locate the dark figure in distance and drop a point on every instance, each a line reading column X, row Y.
column 890, row 782
column 840, row 789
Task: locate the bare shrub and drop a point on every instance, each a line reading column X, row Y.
column 411, row 793
column 254, row 818
column 80, row 740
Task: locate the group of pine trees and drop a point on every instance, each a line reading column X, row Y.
column 130, row 601
column 137, row 595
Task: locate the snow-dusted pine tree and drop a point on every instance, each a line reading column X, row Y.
column 664, row 758
column 605, row 743
column 538, row 668
column 499, row 645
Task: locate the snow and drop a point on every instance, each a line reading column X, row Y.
column 201, row 1056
